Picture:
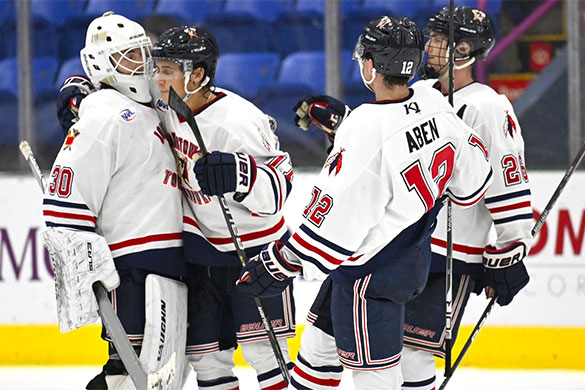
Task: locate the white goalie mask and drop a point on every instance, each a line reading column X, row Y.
column 117, row 53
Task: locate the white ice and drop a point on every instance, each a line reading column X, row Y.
column 75, row 378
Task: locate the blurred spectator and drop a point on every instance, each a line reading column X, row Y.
column 155, row 25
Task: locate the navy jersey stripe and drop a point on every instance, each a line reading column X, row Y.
column 514, row 218
column 65, row 204
column 76, row 227
column 274, row 188
column 325, row 242
column 311, row 260
column 297, row 385
column 480, row 189
column 511, row 195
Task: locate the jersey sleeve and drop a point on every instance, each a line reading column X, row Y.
column 80, row 175
column 349, row 190
column 274, row 173
column 508, row 199
column 472, row 172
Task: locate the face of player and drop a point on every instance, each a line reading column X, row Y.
column 436, row 49
column 131, row 61
column 169, row 74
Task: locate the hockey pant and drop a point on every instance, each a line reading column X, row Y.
column 351, row 326
column 424, row 329
column 221, row 318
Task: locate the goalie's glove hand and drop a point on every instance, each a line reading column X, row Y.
column 72, row 92
column 218, row 173
column 504, row 272
column 322, row 111
column 267, row 274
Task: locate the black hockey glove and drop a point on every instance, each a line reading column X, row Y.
column 504, row 271
column 267, row 274
column 218, row 173
column 71, row 93
column 322, row 111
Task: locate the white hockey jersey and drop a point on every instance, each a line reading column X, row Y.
column 229, row 123
column 504, row 216
column 110, row 177
column 390, row 162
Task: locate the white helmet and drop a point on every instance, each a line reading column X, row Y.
column 114, row 34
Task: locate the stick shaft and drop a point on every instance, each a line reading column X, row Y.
column 177, row 104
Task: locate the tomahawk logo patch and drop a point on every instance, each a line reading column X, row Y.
column 334, row 162
column 509, row 126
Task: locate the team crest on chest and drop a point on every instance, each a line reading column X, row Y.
column 71, row 134
column 334, row 162
column 509, row 126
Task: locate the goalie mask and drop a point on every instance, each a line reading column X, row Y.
column 395, row 46
column 474, row 36
column 191, row 48
column 117, row 53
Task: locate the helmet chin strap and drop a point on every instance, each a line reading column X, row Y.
column 443, row 76
column 370, row 81
column 186, row 86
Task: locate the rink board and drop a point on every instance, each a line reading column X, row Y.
column 543, row 328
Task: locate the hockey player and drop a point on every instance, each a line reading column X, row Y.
column 247, row 166
column 110, row 180
column 501, row 223
column 368, row 222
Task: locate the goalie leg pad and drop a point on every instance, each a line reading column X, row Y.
column 165, row 330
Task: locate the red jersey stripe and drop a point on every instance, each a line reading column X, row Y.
column 510, row 207
column 244, row 237
column 82, row 217
column 470, row 250
column 316, row 250
column 146, row 240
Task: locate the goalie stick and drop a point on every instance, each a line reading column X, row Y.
column 163, row 378
column 177, row 104
column 535, row 229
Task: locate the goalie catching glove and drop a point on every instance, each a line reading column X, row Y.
column 78, row 260
column 218, row 173
column 504, row 271
column 322, row 111
column 269, row 273
column 72, row 92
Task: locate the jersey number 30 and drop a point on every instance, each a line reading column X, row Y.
column 61, row 179
column 441, row 169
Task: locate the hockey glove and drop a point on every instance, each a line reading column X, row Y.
column 322, row 111
column 218, row 173
column 72, row 92
column 267, row 274
column 504, row 271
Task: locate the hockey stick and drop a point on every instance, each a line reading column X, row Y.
column 177, row 104
column 535, row 229
column 157, row 380
column 449, row 257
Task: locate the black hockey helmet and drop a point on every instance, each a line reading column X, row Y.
column 395, row 45
column 472, row 26
column 191, row 47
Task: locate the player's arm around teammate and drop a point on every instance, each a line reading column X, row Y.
column 248, row 168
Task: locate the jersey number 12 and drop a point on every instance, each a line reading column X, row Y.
column 441, row 169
